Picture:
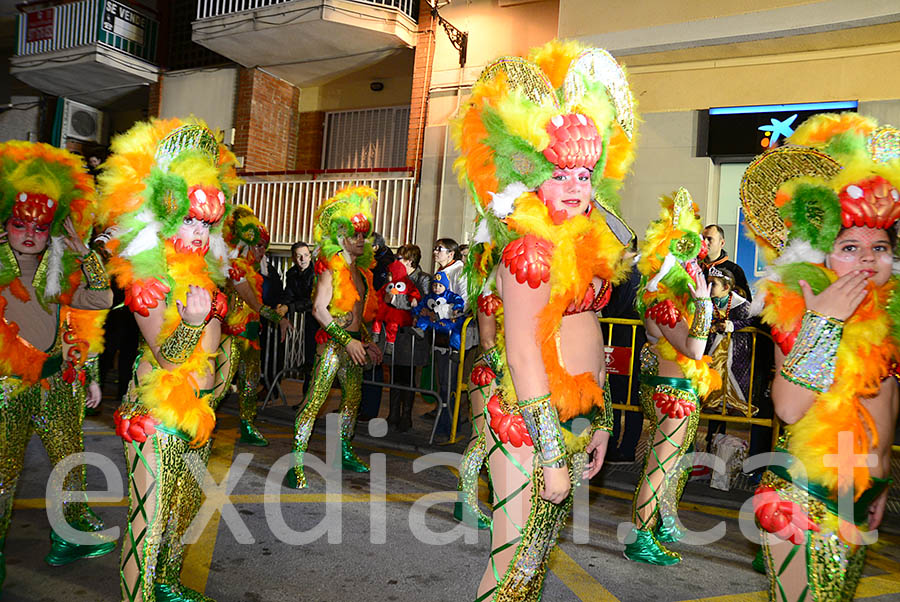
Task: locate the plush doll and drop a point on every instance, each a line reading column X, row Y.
column 394, row 312
column 444, row 305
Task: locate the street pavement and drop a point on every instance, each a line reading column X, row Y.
column 385, row 547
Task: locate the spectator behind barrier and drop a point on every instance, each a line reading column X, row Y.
column 297, row 300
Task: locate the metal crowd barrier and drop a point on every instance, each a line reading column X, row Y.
column 283, row 361
column 622, row 367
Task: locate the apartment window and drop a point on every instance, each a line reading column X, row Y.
column 366, row 138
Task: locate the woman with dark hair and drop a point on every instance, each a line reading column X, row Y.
column 448, row 259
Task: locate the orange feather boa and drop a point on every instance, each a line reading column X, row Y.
column 584, row 247
column 866, row 353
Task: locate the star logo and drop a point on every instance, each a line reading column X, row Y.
column 777, row 129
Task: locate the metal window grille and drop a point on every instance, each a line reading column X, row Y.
column 365, row 139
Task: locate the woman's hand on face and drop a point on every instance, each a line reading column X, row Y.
column 840, row 299
column 196, row 305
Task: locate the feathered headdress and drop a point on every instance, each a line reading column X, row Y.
column 835, row 171
column 243, row 230
column 44, row 184
column 159, row 173
column 670, row 243
column 345, row 214
column 566, row 105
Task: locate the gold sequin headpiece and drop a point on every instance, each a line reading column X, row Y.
column 836, row 171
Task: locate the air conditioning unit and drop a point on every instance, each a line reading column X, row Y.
column 82, row 122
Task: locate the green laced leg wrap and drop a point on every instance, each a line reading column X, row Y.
column 522, row 580
column 661, row 474
column 159, row 513
column 474, row 458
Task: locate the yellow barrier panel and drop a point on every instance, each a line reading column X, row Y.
column 608, row 324
column 461, row 381
column 722, row 416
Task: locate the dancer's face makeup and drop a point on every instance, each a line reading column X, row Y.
column 567, row 193
column 862, row 248
column 27, row 237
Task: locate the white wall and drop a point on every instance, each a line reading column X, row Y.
column 19, row 122
column 209, row 95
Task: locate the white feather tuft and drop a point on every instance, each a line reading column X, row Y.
column 503, row 203
column 482, row 233
column 54, row 267
column 146, row 239
column 668, row 264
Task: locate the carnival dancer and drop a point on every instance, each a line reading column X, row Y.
column 825, row 209
column 673, row 298
column 46, row 200
column 247, row 239
column 540, row 139
column 166, row 187
column 343, row 303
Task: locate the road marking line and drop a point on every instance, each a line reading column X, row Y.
column 582, row 583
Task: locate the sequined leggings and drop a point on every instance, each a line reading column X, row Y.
column 247, row 356
column 476, row 451
column 164, row 497
column 56, row 416
column 662, row 480
column 524, row 527
column 332, row 362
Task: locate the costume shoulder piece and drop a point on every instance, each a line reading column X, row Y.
column 667, row 268
column 836, row 171
column 347, row 213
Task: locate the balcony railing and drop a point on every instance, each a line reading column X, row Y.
column 218, row 8
column 75, row 24
column 287, row 206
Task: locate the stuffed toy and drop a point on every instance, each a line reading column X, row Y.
column 391, row 315
column 444, row 304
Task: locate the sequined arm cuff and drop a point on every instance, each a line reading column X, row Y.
column 270, row 314
column 338, row 334
column 811, row 361
column 494, row 359
column 179, row 346
column 543, row 427
column 364, row 333
column 92, row 368
column 702, row 318
column 94, row 271
column 603, row 419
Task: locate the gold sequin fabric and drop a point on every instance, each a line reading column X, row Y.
column 247, row 377
column 164, row 498
column 523, row 580
column 56, row 415
column 524, row 76
column 179, row 345
column 331, row 362
column 94, row 272
column 833, row 568
column 766, row 174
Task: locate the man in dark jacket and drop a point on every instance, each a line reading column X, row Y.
column 297, row 300
column 714, row 236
